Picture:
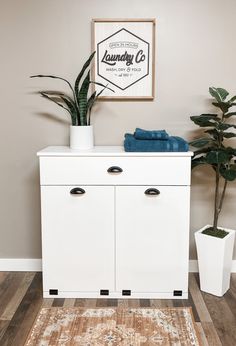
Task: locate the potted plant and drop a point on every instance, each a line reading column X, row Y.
column 78, row 105
column 215, row 244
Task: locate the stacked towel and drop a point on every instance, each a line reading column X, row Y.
column 155, row 134
column 166, row 144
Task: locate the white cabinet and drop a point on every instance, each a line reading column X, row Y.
column 114, row 223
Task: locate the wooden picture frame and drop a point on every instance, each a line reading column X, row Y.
column 125, row 58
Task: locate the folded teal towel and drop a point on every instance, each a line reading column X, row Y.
column 172, row 144
column 154, row 134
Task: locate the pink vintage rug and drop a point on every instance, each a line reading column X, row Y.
column 113, row 326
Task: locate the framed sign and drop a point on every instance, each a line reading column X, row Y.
column 125, row 57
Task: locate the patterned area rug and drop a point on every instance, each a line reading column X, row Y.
column 113, row 326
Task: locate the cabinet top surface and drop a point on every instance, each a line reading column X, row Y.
column 105, row 151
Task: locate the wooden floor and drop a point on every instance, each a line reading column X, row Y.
column 21, row 299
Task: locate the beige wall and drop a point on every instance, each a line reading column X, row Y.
column 195, row 49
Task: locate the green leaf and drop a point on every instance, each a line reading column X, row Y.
column 223, row 93
column 217, row 157
column 80, row 75
column 91, row 100
column 205, row 120
column 214, row 133
column 102, row 85
column 200, row 142
column 54, row 77
column 229, row 134
column 228, row 173
column 208, row 116
column 224, row 106
column 73, row 110
column 54, row 96
column 230, row 151
column 224, row 126
column 214, row 93
column 43, row 94
column 198, row 161
column 228, row 115
column 232, row 99
column 201, row 151
column 219, row 94
column 82, row 99
column 90, row 104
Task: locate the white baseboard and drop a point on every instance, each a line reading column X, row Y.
column 35, row 265
column 20, row 264
column 193, row 266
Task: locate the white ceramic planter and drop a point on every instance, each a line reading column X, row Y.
column 81, row 137
column 214, row 261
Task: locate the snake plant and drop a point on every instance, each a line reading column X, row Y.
column 79, row 104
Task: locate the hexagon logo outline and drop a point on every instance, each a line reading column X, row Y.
column 148, row 53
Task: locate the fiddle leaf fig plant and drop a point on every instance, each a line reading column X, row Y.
column 213, row 150
column 79, row 104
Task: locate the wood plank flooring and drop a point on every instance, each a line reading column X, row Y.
column 21, row 299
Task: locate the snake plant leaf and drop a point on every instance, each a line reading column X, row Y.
column 54, row 77
column 92, row 99
column 60, row 104
column 59, row 94
column 82, row 99
column 102, row 85
column 219, row 94
column 70, row 103
column 230, row 114
column 80, row 75
column 73, row 110
column 90, row 104
column 228, row 173
column 101, row 91
column 54, row 93
column 43, row 94
column 201, row 142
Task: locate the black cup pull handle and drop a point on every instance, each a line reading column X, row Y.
column 114, row 169
column 152, row 192
column 77, row 191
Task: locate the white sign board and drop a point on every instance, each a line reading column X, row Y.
column 124, row 57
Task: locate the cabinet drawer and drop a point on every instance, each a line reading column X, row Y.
column 135, row 170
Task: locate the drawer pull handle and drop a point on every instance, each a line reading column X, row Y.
column 152, row 192
column 77, row 191
column 115, row 169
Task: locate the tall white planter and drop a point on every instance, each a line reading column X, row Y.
column 214, row 261
column 81, row 137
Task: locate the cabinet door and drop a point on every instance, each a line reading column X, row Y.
column 152, row 235
column 78, row 238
